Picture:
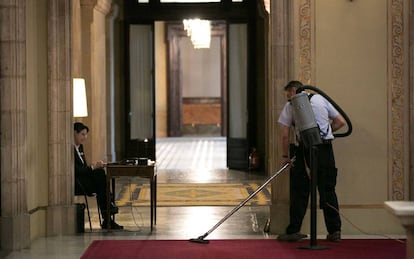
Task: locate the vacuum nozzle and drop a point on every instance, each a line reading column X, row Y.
column 199, row 240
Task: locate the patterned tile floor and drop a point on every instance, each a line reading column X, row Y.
column 191, row 153
column 187, row 161
column 197, row 160
column 192, row 194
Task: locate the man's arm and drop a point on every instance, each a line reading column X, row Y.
column 285, row 142
column 337, row 123
column 80, row 168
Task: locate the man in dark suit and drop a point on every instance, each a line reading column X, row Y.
column 91, row 178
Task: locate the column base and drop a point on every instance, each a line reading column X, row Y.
column 15, row 232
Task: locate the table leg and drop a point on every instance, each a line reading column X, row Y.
column 110, row 196
column 152, row 201
column 155, row 200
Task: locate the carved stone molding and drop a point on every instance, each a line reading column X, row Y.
column 397, row 102
column 411, row 100
column 305, row 41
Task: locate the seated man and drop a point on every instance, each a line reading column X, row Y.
column 91, row 177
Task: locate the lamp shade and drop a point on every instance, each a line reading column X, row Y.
column 80, row 107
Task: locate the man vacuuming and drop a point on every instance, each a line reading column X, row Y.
column 328, row 120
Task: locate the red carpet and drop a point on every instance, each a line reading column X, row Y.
column 243, row 248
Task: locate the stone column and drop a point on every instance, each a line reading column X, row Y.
column 99, row 82
column 281, row 72
column 94, row 65
column 82, row 55
column 15, row 219
column 60, row 213
column 77, row 69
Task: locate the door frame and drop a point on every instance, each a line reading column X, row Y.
column 245, row 11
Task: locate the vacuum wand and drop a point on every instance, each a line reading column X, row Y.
column 201, row 239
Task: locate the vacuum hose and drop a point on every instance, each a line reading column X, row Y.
column 348, row 121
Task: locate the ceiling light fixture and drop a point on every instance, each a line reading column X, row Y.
column 199, row 32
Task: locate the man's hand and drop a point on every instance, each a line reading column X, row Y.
column 99, row 164
column 285, row 160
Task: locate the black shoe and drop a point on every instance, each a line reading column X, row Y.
column 294, row 237
column 114, row 225
column 334, row 237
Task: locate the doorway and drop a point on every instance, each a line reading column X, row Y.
column 191, row 115
column 241, row 121
column 197, row 93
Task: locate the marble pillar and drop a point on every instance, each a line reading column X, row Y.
column 60, row 212
column 281, row 72
column 94, row 69
column 15, row 219
column 99, row 70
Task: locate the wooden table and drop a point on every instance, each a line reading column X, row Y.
column 143, row 171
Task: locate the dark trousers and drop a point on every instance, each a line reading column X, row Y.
column 300, row 187
column 95, row 182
